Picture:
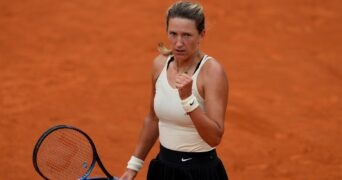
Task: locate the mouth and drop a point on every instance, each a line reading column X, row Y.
column 179, row 51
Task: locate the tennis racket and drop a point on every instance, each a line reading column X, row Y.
column 66, row 153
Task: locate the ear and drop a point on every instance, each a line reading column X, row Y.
column 202, row 34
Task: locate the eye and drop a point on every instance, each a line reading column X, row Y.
column 186, row 36
column 172, row 34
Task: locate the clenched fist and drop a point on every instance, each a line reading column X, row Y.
column 184, row 85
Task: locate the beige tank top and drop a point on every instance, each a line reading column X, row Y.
column 176, row 129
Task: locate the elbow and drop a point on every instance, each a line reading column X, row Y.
column 215, row 141
column 213, row 138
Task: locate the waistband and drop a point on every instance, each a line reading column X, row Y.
column 186, row 158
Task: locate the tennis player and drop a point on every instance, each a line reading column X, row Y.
column 188, row 105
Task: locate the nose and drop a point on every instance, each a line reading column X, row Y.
column 179, row 41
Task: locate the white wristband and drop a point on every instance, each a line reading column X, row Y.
column 190, row 103
column 135, row 163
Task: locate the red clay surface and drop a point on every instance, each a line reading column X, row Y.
column 87, row 63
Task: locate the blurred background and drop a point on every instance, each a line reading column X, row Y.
column 87, row 63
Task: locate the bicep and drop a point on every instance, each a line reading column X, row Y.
column 216, row 93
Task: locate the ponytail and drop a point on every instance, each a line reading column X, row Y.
column 163, row 50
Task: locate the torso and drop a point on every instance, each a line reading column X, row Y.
column 177, row 131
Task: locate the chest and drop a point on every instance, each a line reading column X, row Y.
column 199, row 84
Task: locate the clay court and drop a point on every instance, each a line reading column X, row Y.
column 87, row 63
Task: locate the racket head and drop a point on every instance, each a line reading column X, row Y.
column 64, row 152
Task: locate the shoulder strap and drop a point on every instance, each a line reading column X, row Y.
column 169, row 60
column 200, row 64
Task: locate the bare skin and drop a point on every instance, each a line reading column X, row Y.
column 212, row 84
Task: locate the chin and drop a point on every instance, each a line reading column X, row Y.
column 180, row 56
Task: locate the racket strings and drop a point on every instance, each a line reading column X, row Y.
column 65, row 154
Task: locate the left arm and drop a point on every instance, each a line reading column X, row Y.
column 210, row 122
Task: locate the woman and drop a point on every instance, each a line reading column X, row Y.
column 188, row 105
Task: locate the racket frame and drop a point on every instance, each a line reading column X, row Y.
column 96, row 157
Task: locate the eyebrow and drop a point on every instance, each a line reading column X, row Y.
column 182, row 33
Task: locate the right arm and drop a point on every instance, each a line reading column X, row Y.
column 149, row 132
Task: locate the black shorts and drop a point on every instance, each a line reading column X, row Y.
column 175, row 165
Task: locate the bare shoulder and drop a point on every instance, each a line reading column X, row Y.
column 214, row 70
column 158, row 64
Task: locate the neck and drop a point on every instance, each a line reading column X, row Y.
column 185, row 65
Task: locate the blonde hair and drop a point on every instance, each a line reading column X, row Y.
column 163, row 50
column 187, row 10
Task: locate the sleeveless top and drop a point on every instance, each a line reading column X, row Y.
column 176, row 129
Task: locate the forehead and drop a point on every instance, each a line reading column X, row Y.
column 182, row 25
